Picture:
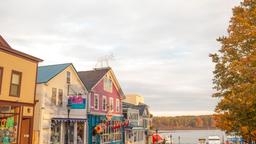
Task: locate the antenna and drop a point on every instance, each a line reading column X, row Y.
column 104, row 61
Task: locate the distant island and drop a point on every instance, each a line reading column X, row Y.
column 184, row 122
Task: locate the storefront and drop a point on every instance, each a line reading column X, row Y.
column 135, row 135
column 68, row 131
column 102, row 131
column 15, row 124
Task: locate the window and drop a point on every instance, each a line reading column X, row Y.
column 60, row 97
column 104, row 103
column 15, row 83
column 111, row 104
column 55, row 132
column 54, row 94
column 1, row 77
column 68, row 77
column 107, row 84
column 96, row 101
column 117, row 105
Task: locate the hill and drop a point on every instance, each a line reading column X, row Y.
column 184, row 122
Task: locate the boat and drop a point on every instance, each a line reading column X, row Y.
column 214, row 140
column 168, row 140
column 202, row 141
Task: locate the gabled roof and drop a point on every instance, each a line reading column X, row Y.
column 4, row 46
column 92, row 77
column 46, row 73
column 3, row 43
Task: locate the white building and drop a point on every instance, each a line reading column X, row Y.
column 55, row 85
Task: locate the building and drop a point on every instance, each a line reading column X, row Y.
column 105, row 106
column 135, row 132
column 61, row 114
column 17, row 94
column 134, row 99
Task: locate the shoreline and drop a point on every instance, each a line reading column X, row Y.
column 189, row 129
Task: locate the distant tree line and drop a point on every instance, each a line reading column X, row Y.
column 184, row 122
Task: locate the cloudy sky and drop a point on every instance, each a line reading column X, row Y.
column 160, row 47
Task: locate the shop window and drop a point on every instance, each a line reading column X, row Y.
column 9, row 123
column 15, row 83
column 68, row 77
column 104, row 103
column 80, row 133
column 69, row 127
column 96, row 102
column 1, row 77
column 55, row 132
column 117, row 105
column 107, row 84
column 111, row 104
column 135, row 136
column 54, row 94
column 60, row 97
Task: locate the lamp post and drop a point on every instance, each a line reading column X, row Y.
column 68, row 126
column 157, row 135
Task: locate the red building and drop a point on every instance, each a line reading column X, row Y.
column 105, row 117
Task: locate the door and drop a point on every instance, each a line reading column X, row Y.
column 25, row 131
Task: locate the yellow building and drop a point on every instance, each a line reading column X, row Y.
column 17, row 94
column 134, row 99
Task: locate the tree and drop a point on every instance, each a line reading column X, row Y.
column 199, row 122
column 235, row 73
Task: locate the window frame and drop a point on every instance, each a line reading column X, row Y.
column 1, row 78
column 60, row 100
column 52, row 102
column 111, row 104
column 19, row 85
column 106, row 103
column 68, row 77
column 94, row 101
column 108, row 84
column 117, row 105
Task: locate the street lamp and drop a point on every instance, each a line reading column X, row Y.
column 68, row 126
column 157, row 135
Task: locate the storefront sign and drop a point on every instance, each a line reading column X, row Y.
column 77, row 102
column 27, row 111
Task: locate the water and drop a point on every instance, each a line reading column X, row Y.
column 192, row 136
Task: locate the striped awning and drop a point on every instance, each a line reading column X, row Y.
column 70, row 119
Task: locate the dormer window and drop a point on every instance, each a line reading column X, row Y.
column 107, row 84
column 68, row 77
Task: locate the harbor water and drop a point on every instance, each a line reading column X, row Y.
column 192, row 136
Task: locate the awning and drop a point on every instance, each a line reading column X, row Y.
column 70, row 119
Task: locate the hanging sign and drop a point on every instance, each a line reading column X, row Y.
column 77, row 102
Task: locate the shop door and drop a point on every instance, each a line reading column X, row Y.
column 25, row 131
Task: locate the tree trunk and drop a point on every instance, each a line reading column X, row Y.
column 250, row 140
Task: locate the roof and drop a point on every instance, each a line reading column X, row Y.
column 141, row 107
column 46, row 73
column 91, row 78
column 3, row 43
column 4, row 46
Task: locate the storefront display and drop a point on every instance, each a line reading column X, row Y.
column 80, row 132
column 55, row 132
column 9, row 122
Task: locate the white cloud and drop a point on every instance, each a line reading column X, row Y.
column 161, row 47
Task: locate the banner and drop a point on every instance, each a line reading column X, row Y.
column 77, row 102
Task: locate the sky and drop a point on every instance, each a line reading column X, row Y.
column 160, row 47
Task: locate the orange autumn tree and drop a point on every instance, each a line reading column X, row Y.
column 235, row 74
